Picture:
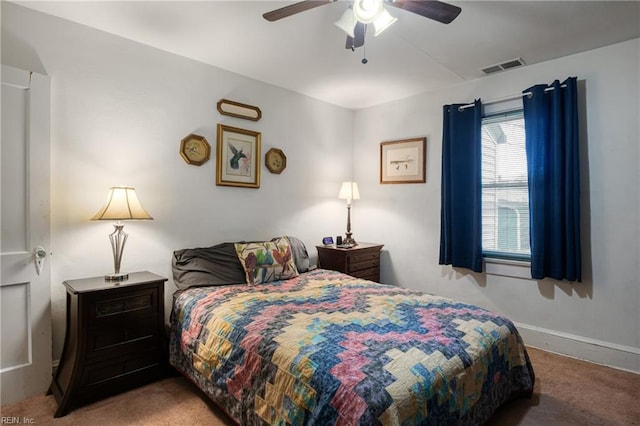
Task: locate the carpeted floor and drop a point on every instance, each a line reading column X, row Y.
column 567, row 392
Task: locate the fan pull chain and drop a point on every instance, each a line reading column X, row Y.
column 364, row 55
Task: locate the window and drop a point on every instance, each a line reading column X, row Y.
column 505, row 197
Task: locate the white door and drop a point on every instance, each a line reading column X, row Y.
column 25, row 300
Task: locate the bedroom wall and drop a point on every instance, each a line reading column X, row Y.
column 118, row 112
column 598, row 319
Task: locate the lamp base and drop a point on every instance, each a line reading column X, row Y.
column 116, row 277
column 348, row 241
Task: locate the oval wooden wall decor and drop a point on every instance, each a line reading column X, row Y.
column 236, row 109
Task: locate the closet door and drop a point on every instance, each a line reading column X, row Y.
column 25, row 297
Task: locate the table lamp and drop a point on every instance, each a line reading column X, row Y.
column 349, row 191
column 122, row 204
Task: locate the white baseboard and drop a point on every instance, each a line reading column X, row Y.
column 610, row 354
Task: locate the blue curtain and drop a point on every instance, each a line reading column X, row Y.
column 460, row 215
column 551, row 130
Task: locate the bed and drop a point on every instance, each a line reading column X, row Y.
column 318, row 347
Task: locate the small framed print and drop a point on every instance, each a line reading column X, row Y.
column 403, row 161
column 275, row 160
column 238, row 157
column 195, row 149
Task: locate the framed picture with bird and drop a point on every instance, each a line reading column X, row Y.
column 238, row 157
column 403, row 161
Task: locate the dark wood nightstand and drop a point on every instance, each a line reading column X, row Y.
column 361, row 261
column 114, row 338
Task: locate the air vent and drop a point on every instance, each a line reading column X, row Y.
column 513, row 63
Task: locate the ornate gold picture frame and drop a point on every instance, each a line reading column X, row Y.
column 275, row 160
column 195, row 149
column 238, row 157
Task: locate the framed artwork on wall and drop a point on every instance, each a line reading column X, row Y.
column 238, row 110
column 403, row 161
column 238, row 157
column 275, row 160
column 195, row 149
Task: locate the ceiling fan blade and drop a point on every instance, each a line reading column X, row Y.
column 436, row 10
column 358, row 39
column 294, row 8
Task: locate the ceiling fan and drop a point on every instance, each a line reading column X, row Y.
column 354, row 21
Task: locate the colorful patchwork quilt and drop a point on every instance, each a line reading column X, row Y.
column 325, row 348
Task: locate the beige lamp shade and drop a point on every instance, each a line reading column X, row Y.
column 122, row 204
column 349, row 191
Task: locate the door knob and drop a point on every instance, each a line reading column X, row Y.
column 40, row 255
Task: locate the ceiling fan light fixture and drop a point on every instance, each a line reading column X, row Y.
column 347, row 22
column 383, row 21
column 367, row 11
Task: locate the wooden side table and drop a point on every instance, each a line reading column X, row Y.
column 361, row 261
column 114, row 338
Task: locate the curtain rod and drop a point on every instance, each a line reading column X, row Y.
column 506, row 98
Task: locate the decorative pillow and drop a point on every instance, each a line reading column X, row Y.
column 266, row 261
column 215, row 265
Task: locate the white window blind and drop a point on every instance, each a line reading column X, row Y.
column 505, row 198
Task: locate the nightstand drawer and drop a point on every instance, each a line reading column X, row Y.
column 108, row 378
column 363, row 264
column 99, row 374
column 363, row 257
column 123, row 306
column 142, row 333
column 369, row 274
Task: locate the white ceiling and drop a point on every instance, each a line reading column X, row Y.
column 305, row 52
